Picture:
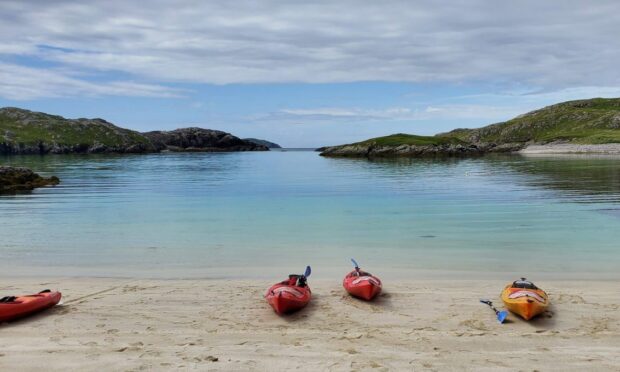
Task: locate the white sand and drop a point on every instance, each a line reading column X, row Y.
column 569, row 148
column 123, row 324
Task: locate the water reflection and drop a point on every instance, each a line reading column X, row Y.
column 578, row 178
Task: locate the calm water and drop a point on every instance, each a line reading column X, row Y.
column 270, row 213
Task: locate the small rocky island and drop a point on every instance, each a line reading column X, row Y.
column 27, row 132
column 262, row 142
column 584, row 126
column 14, row 179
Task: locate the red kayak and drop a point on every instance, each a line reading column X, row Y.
column 289, row 295
column 14, row 307
column 362, row 284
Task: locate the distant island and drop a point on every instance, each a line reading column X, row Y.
column 261, row 142
column 581, row 126
column 27, row 132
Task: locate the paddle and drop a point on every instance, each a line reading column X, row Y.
column 501, row 315
column 308, row 272
column 357, row 267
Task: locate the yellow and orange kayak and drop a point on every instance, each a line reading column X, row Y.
column 523, row 298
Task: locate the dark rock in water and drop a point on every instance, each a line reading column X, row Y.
column 17, row 179
column 199, row 139
column 261, row 142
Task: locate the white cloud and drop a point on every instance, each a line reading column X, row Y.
column 403, row 114
column 24, row 83
column 497, row 107
column 551, row 44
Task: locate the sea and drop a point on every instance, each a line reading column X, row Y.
column 267, row 214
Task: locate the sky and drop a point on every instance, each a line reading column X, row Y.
column 306, row 74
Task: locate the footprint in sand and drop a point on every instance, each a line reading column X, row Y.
column 474, row 324
column 568, row 298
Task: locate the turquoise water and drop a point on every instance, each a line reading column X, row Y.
column 271, row 213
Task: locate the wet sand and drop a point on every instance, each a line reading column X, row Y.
column 130, row 325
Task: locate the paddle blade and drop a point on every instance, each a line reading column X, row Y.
column 308, row 271
column 501, row 316
column 355, row 263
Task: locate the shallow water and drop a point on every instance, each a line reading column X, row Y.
column 267, row 213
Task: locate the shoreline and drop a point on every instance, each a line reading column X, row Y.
column 136, row 324
column 320, row 272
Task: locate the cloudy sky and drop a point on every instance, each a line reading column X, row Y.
column 306, row 73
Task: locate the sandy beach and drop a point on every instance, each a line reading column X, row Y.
column 130, row 325
column 571, row 148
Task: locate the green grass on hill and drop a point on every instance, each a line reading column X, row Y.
column 592, row 121
column 30, row 128
column 410, row 139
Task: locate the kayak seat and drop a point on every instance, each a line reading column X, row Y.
column 360, row 273
column 8, row 299
column 296, row 280
column 523, row 283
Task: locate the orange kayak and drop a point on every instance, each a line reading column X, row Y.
column 290, row 295
column 361, row 284
column 15, row 307
column 525, row 299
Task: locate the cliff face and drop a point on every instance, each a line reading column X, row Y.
column 16, row 179
column 198, row 139
column 27, row 132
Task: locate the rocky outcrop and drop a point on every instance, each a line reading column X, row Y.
column 17, row 179
column 371, row 150
column 261, row 142
column 199, row 139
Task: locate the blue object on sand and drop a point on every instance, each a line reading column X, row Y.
column 501, row 315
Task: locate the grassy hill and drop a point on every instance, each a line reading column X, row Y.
column 412, row 140
column 23, row 131
column 28, row 132
column 592, row 121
